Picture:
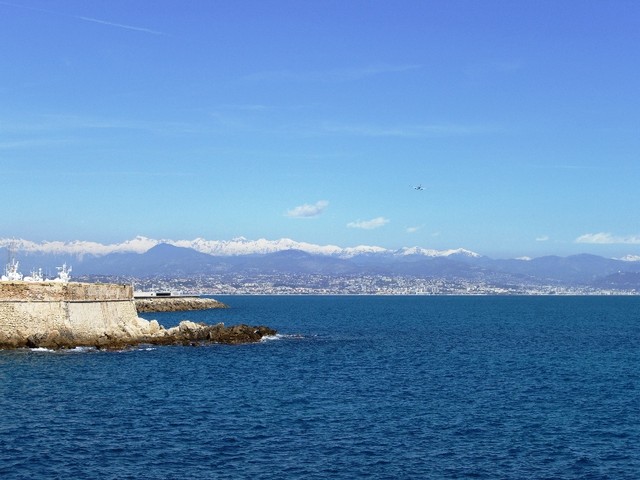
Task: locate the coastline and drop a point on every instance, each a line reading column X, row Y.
column 72, row 314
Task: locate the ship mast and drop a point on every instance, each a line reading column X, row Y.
column 11, row 269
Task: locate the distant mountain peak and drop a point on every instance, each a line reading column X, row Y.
column 438, row 253
column 631, row 258
column 238, row 246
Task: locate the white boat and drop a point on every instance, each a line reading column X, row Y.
column 36, row 276
column 11, row 273
column 64, row 274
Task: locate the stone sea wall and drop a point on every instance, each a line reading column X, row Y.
column 66, row 315
column 73, row 313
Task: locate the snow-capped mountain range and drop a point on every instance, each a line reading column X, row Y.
column 234, row 247
column 144, row 257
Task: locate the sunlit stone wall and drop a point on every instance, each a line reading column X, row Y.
column 83, row 311
column 67, row 292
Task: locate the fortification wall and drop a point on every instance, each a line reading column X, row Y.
column 63, row 292
column 81, row 313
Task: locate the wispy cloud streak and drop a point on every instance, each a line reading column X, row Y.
column 85, row 19
column 332, row 75
column 605, row 238
column 56, row 123
column 407, row 131
column 119, row 25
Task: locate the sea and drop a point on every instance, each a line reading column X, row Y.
column 371, row 387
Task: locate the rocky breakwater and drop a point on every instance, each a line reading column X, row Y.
column 175, row 304
column 68, row 315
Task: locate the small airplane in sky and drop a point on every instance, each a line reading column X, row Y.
column 419, row 187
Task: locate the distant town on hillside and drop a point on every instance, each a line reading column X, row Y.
column 293, row 271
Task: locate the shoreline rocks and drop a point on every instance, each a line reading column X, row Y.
column 148, row 333
column 191, row 333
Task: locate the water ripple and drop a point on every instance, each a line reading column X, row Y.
column 376, row 388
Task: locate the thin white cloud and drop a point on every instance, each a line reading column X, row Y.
column 542, row 238
column 255, row 107
column 369, row 224
column 24, row 131
column 560, row 166
column 36, row 143
column 407, row 131
column 605, row 238
column 307, row 210
column 333, row 75
column 119, row 25
column 484, row 69
column 84, row 19
column 414, row 229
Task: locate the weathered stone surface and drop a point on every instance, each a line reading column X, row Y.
column 176, row 304
column 65, row 314
column 64, row 292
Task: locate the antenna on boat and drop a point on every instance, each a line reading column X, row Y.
column 11, row 272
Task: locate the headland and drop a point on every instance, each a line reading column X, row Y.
column 71, row 314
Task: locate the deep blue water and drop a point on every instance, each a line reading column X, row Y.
column 357, row 387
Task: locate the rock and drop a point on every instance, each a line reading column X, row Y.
column 147, row 332
column 53, row 339
column 154, row 327
column 191, row 333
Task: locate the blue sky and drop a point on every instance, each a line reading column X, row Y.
column 313, row 120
